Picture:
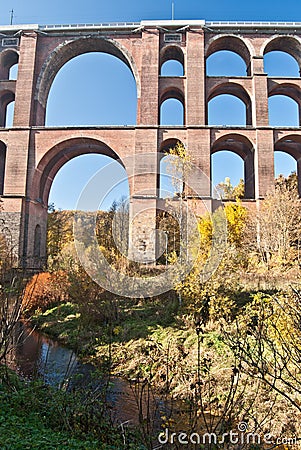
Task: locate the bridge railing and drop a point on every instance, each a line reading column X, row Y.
column 247, row 24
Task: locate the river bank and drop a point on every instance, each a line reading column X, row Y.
column 38, row 416
column 51, row 400
column 159, row 347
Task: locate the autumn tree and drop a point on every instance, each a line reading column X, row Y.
column 45, row 289
column 226, row 191
column 212, row 297
column 278, row 225
column 266, row 337
column 120, row 224
column 59, row 232
column 290, row 182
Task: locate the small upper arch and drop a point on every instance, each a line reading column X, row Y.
column 232, row 89
column 172, row 92
column 290, row 144
column 288, row 89
column 287, row 44
column 2, row 165
column 172, row 53
column 231, row 43
column 243, row 147
column 236, row 143
column 168, row 144
column 8, row 58
column 6, row 97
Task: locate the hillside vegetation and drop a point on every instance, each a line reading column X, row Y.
column 228, row 348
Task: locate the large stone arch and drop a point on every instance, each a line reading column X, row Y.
column 69, row 50
column 43, row 177
column 288, row 44
column 291, row 144
column 231, row 43
column 57, row 156
column 244, row 148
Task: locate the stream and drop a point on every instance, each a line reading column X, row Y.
column 35, row 355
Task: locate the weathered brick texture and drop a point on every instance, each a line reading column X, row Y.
column 31, row 154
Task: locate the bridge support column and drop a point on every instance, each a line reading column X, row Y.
column 25, row 81
column 142, row 247
column 264, row 163
column 14, row 194
column 11, row 224
column 195, row 69
column 143, row 204
column 15, row 206
column 147, row 113
column 264, row 154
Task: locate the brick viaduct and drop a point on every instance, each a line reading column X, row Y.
column 31, row 153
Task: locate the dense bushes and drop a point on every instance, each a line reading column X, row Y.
column 45, row 289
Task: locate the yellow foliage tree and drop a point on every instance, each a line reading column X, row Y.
column 210, row 298
column 236, row 215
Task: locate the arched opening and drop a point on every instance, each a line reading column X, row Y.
column 172, row 61
column 225, row 63
column 232, row 157
column 283, row 111
column 8, row 64
column 92, row 89
column 227, row 172
column 172, row 112
column 172, row 68
column 284, row 164
column 37, row 242
column 227, row 110
column 2, row 166
column 66, row 52
column 229, row 44
column 9, row 115
column 64, row 172
column 59, row 155
column 280, row 64
column 169, row 180
column 170, row 185
column 72, row 177
column 276, row 47
column 13, row 72
column 7, row 105
column 232, row 90
column 288, row 157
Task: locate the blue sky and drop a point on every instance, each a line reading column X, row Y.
column 57, row 11
column 69, row 106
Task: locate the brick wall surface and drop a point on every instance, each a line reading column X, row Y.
column 34, row 153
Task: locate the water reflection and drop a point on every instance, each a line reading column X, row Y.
column 34, row 355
